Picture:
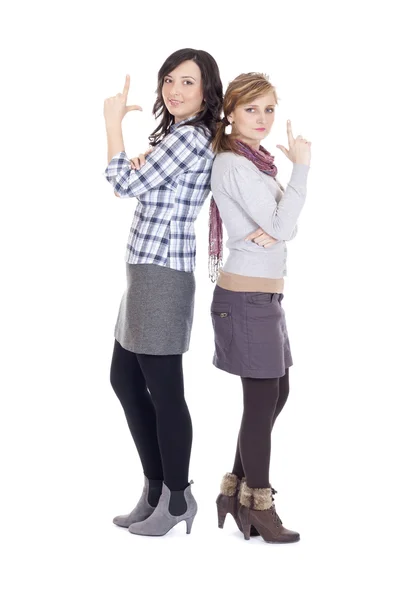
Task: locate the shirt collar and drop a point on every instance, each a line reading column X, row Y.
column 175, row 125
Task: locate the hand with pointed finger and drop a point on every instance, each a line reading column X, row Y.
column 261, row 238
column 115, row 108
column 299, row 149
column 140, row 160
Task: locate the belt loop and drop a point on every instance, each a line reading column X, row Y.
column 272, row 297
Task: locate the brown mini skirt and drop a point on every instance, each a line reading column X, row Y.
column 250, row 334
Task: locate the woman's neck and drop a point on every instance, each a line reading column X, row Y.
column 254, row 144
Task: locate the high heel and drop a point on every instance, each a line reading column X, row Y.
column 222, row 511
column 189, row 523
column 245, row 522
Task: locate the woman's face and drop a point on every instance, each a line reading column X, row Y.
column 252, row 122
column 182, row 91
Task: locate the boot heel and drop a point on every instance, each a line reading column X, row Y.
column 246, row 531
column 189, row 523
column 246, row 525
column 222, row 512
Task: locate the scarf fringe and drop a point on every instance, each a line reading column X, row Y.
column 214, row 265
column 215, row 241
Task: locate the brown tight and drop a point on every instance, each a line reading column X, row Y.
column 263, row 400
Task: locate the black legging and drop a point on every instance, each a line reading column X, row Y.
column 263, row 400
column 151, row 391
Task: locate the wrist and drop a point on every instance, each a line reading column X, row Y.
column 113, row 126
column 302, row 162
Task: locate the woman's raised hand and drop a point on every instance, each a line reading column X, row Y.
column 299, row 149
column 115, row 108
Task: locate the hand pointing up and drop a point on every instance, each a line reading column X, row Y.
column 115, row 108
column 299, row 150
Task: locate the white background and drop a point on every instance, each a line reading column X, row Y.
column 68, row 463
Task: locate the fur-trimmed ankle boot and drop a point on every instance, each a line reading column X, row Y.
column 257, row 508
column 227, row 501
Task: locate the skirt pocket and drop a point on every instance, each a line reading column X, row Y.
column 268, row 349
column 221, row 315
column 264, row 322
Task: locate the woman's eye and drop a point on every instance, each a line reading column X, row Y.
column 271, row 110
column 167, row 80
column 249, row 109
column 188, row 82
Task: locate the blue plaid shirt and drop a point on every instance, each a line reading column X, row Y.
column 171, row 188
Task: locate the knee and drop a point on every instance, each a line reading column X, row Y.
column 168, row 401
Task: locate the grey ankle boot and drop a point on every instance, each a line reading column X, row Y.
column 141, row 511
column 161, row 520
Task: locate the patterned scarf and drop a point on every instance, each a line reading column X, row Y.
column 264, row 161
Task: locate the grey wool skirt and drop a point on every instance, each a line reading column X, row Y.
column 250, row 334
column 156, row 310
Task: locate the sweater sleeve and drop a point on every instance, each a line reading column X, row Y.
column 294, row 233
column 251, row 192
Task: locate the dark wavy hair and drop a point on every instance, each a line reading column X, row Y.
column 212, row 91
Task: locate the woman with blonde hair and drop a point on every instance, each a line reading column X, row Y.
column 251, row 338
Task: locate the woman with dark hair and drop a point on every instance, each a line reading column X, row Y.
column 251, row 339
column 155, row 317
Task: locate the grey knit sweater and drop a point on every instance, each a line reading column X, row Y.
column 248, row 199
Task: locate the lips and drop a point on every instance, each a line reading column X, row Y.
column 174, row 102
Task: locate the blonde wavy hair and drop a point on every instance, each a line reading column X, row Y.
column 242, row 90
